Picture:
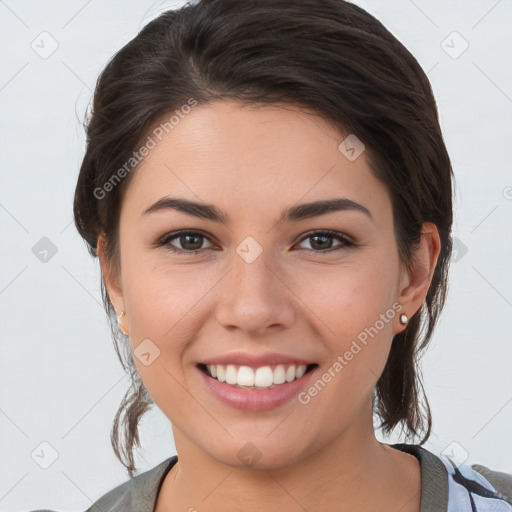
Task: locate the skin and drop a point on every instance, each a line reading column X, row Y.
column 253, row 163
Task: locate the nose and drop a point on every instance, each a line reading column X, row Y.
column 255, row 298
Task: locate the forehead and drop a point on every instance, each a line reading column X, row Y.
column 251, row 158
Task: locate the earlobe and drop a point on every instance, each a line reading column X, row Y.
column 415, row 284
column 120, row 323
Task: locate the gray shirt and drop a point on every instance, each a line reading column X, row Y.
column 446, row 487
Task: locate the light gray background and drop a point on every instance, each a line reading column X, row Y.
column 61, row 381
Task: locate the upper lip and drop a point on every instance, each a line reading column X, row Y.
column 253, row 360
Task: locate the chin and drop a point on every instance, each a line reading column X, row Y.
column 261, row 453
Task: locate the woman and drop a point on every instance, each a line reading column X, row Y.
column 269, row 195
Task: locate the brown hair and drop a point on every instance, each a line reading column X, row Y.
column 329, row 55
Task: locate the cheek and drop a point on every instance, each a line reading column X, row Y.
column 162, row 306
column 348, row 298
column 163, row 381
column 160, row 295
column 353, row 315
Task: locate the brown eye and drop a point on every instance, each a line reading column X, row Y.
column 322, row 241
column 190, row 242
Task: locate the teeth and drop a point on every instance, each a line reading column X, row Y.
column 220, row 373
column 263, row 377
column 245, row 376
column 301, row 370
column 290, row 373
column 231, row 377
column 279, row 376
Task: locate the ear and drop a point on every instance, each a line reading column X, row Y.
column 111, row 276
column 414, row 284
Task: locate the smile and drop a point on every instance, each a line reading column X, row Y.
column 263, row 377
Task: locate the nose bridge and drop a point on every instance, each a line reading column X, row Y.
column 253, row 296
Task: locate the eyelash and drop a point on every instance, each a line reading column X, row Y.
column 166, row 239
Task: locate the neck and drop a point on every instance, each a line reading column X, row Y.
column 351, row 472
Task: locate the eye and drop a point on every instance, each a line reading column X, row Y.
column 190, row 242
column 323, row 240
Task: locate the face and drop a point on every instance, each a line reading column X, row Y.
column 256, row 289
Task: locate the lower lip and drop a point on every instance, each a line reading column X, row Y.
column 256, row 399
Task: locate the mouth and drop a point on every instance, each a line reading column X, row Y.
column 256, row 378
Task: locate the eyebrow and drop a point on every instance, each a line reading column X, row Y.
column 295, row 213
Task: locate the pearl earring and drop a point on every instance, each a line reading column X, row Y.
column 403, row 319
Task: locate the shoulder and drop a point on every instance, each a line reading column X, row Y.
column 449, row 486
column 477, row 487
column 501, row 482
column 138, row 494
